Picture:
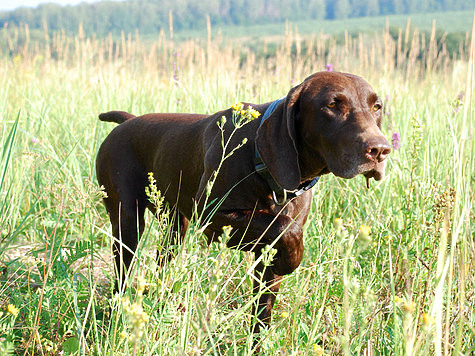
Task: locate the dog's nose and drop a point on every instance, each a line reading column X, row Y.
column 377, row 150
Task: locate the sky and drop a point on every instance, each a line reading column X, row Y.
column 13, row 4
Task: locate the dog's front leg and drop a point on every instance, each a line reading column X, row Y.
column 252, row 231
column 268, row 283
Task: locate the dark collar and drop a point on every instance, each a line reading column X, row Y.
column 279, row 194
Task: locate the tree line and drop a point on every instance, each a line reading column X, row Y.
column 150, row 16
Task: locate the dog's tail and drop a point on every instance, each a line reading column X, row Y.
column 116, row 116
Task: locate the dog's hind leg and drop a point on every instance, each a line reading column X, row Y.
column 125, row 203
column 127, row 219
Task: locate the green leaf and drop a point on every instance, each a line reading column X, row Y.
column 71, row 346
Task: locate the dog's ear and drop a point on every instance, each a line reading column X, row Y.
column 276, row 141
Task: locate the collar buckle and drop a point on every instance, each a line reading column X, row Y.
column 284, row 198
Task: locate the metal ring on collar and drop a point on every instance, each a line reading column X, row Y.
column 277, row 201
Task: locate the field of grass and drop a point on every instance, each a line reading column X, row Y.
column 406, row 289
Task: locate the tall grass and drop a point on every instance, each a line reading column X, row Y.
column 406, row 289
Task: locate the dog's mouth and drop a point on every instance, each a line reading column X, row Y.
column 351, row 166
column 375, row 173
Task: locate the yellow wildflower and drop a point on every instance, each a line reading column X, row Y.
column 365, row 230
column 254, row 113
column 242, row 116
column 427, row 319
column 338, row 222
column 363, row 234
column 285, row 315
column 318, row 350
column 17, row 59
column 227, row 230
column 140, row 285
column 408, row 306
column 13, row 309
column 237, row 107
column 398, row 300
column 135, row 313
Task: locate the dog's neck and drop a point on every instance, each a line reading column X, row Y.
column 311, row 163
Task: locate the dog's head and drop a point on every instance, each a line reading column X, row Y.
column 329, row 123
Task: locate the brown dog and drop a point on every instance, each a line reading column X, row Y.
column 329, row 123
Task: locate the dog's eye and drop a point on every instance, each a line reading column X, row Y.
column 376, row 107
column 331, row 105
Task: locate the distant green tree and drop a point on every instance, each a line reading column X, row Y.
column 271, row 10
column 147, row 24
column 358, row 8
column 342, row 9
column 254, row 10
column 398, row 7
column 372, row 8
column 411, row 6
column 463, row 5
column 288, row 9
column 237, row 11
column 437, row 5
column 316, row 9
column 422, row 5
column 447, row 4
column 23, row 15
column 386, row 7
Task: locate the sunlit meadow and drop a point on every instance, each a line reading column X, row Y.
column 387, row 270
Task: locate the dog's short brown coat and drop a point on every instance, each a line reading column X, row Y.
column 329, row 123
